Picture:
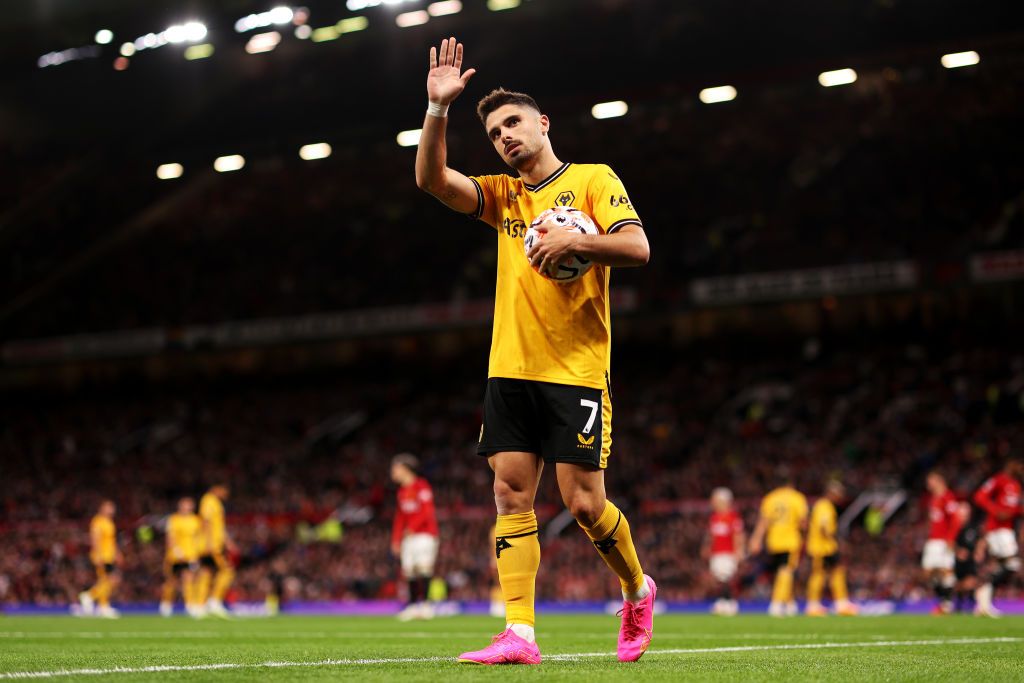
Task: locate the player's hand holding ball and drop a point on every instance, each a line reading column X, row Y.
column 552, row 241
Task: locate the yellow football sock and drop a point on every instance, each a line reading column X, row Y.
column 518, row 553
column 188, row 588
column 611, row 537
column 839, row 592
column 100, row 592
column 167, row 594
column 782, row 591
column 202, row 586
column 225, row 575
column 816, row 582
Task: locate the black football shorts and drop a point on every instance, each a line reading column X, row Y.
column 559, row 422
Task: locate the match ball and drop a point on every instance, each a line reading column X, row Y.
column 574, row 267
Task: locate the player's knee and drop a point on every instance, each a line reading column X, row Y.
column 586, row 508
column 511, row 498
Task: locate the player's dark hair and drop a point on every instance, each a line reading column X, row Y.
column 499, row 97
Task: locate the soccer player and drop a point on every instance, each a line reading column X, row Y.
column 1000, row 498
column 414, row 537
column 969, row 548
column 823, row 549
column 938, row 558
column 547, row 398
column 722, row 547
column 779, row 531
column 214, row 541
column 105, row 558
column 182, row 559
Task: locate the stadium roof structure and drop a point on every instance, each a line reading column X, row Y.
column 605, row 50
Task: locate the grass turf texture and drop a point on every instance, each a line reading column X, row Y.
column 299, row 648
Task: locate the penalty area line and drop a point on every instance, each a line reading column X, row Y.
column 26, row 675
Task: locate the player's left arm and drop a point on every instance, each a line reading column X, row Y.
column 622, row 242
column 757, row 538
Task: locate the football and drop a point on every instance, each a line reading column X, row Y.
column 574, row 267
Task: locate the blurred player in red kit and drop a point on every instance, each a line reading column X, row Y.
column 1000, row 498
column 938, row 557
column 722, row 547
column 414, row 537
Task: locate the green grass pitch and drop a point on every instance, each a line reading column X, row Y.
column 692, row 648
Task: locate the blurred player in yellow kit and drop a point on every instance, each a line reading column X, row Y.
column 823, row 549
column 782, row 519
column 214, row 540
column 182, row 558
column 105, row 557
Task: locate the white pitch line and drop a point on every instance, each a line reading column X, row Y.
column 23, row 675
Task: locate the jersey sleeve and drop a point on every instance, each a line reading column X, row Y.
column 983, row 497
column 612, row 208
column 487, row 192
column 206, row 508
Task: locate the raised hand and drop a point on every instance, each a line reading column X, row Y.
column 444, row 81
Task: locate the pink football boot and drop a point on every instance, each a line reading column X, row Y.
column 637, row 625
column 505, row 648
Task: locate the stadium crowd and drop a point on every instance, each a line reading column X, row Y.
column 785, row 177
column 300, row 453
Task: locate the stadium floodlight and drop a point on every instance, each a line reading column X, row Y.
column 278, row 15
column 416, row 18
column 69, row 55
column 409, row 138
column 352, row 24
column 104, row 36
column 445, row 7
column 175, row 34
column 721, row 93
column 303, row 32
column 263, row 42
column 955, row 60
column 232, row 162
column 609, row 110
column 127, row 49
column 195, row 31
column 830, row 79
column 281, row 15
column 169, row 171
column 200, row 51
column 316, row 150
column 324, row 33
column 356, row 5
column 500, row 5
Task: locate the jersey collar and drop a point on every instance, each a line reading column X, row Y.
column 550, row 179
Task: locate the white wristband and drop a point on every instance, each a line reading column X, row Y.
column 438, row 110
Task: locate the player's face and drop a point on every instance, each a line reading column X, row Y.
column 517, row 133
column 186, row 506
column 108, row 509
column 934, row 483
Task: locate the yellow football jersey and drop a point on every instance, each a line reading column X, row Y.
column 211, row 509
column 104, row 540
column 821, row 534
column 784, row 509
column 543, row 330
column 183, row 541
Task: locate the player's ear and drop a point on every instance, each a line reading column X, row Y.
column 545, row 124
